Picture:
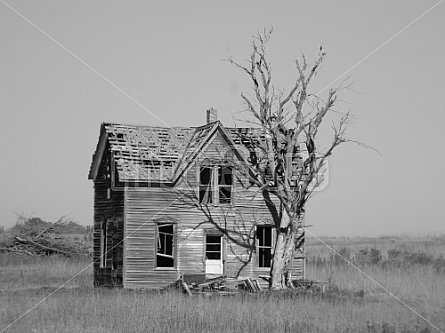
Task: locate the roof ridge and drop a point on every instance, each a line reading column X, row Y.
column 188, row 156
column 146, row 126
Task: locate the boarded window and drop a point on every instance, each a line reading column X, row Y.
column 215, row 185
column 265, row 248
column 165, row 254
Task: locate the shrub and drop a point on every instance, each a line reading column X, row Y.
column 394, row 253
column 343, row 256
column 405, row 259
column 370, row 256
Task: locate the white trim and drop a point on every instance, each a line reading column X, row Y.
column 98, row 154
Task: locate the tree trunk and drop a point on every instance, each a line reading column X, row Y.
column 284, row 252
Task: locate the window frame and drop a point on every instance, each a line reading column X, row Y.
column 209, row 195
column 215, row 185
column 259, row 247
column 221, row 246
column 173, row 245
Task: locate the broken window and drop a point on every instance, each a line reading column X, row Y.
column 205, row 185
column 215, row 184
column 264, row 247
column 165, row 254
column 224, row 184
column 213, row 247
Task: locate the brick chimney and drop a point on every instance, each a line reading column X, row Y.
column 212, row 115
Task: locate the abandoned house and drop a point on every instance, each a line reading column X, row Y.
column 174, row 202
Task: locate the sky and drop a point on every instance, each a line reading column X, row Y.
column 68, row 66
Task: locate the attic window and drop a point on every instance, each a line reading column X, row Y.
column 215, row 185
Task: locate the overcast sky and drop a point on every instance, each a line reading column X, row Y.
column 158, row 63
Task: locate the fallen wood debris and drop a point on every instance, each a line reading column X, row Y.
column 221, row 285
column 35, row 237
column 224, row 286
column 252, row 285
column 309, row 284
column 47, row 249
column 44, row 246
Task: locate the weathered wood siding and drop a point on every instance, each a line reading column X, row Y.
column 146, row 206
column 298, row 265
column 109, row 211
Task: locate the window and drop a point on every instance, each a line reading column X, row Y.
column 103, row 244
column 213, row 247
column 205, row 185
column 224, row 184
column 264, row 245
column 165, row 253
column 109, row 182
column 215, row 185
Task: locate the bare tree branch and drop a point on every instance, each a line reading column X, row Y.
column 291, row 167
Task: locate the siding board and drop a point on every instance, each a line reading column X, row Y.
column 132, row 212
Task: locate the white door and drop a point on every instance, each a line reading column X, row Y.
column 214, row 254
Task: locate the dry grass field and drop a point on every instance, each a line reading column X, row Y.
column 412, row 269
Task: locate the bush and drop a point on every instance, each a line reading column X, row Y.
column 394, row 253
column 370, row 256
column 343, row 256
column 405, row 259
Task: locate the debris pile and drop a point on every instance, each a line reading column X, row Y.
column 225, row 286
column 35, row 237
column 221, row 285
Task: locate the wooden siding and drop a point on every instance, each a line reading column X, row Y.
column 298, row 264
column 150, row 205
column 109, row 211
column 131, row 215
column 144, row 207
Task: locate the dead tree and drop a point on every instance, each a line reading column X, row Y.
column 291, row 161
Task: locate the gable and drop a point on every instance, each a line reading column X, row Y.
column 215, row 146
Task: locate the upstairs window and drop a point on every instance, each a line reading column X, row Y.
column 206, row 185
column 165, row 253
column 264, row 245
column 225, row 184
column 215, row 185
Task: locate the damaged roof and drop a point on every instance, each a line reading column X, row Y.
column 150, row 153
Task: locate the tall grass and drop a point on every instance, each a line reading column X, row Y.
column 82, row 310
column 23, row 272
column 350, row 303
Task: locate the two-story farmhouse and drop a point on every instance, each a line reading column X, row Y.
column 175, row 201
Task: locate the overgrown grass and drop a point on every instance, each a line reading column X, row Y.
column 23, row 272
column 351, row 302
